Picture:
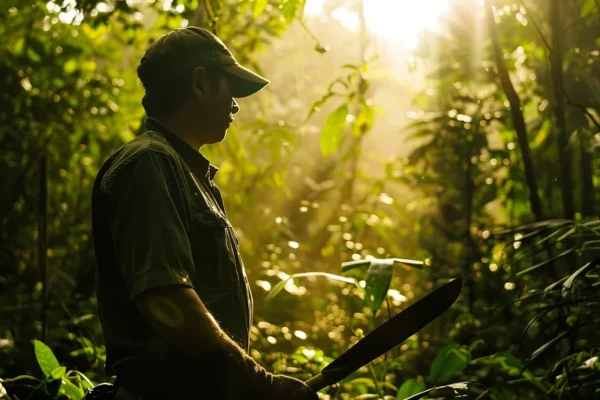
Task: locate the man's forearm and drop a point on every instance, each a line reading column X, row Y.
column 180, row 318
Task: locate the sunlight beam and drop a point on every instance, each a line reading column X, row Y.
column 395, row 20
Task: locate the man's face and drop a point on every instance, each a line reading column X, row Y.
column 217, row 108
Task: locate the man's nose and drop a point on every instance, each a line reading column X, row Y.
column 234, row 107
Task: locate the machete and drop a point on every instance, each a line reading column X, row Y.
column 388, row 335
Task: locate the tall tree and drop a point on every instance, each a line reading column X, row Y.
column 562, row 136
column 516, row 112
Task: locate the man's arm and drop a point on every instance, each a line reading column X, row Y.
column 180, row 318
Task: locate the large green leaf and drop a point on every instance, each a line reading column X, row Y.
column 45, row 358
column 58, row 373
column 333, row 130
column 410, row 388
column 379, row 277
column 449, row 360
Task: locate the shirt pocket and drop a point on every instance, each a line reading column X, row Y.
column 213, row 251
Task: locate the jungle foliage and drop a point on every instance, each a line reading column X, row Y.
column 495, row 178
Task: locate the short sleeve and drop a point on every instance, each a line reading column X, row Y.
column 148, row 225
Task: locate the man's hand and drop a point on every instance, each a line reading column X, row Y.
column 243, row 378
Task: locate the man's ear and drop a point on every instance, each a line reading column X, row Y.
column 199, row 82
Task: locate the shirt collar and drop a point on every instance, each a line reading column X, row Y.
column 193, row 157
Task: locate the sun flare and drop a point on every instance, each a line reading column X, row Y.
column 397, row 20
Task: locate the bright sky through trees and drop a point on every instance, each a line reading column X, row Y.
column 397, row 20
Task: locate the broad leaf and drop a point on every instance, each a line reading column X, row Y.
column 45, row 358
column 449, row 360
column 410, row 388
column 379, row 277
column 58, row 373
column 333, row 130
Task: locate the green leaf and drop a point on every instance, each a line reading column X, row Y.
column 348, row 265
column 546, row 346
column 509, row 363
column 259, row 7
column 379, row 277
column 544, row 263
column 449, row 360
column 58, row 373
column 411, row 263
column 568, row 285
column 84, row 381
column 458, row 386
column 71, row 390
column 290, row 7
column 410, row 388
column 588, row 7
column 333, row 130
column 551, row 287
column 365, row 119
column 45, row 358
column 362, row 381
column 279, row 287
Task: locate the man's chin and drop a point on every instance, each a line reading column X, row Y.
column 219, row 137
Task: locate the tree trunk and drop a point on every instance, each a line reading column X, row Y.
column 516, row 113
column 587, row 179
column 562, row 136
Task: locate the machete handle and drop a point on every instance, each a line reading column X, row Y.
column 316, row 383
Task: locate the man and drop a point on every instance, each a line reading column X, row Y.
column 174, row 301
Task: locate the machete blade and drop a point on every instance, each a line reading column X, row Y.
column 393, row 332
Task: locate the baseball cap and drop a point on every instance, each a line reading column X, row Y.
column 191, row 47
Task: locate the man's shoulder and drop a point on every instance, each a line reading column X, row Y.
column 147, row 144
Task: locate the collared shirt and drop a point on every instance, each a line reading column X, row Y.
column 158, row 219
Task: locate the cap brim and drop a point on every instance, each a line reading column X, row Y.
column 244, row 82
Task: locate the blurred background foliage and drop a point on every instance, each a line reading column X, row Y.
column 419, row 140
